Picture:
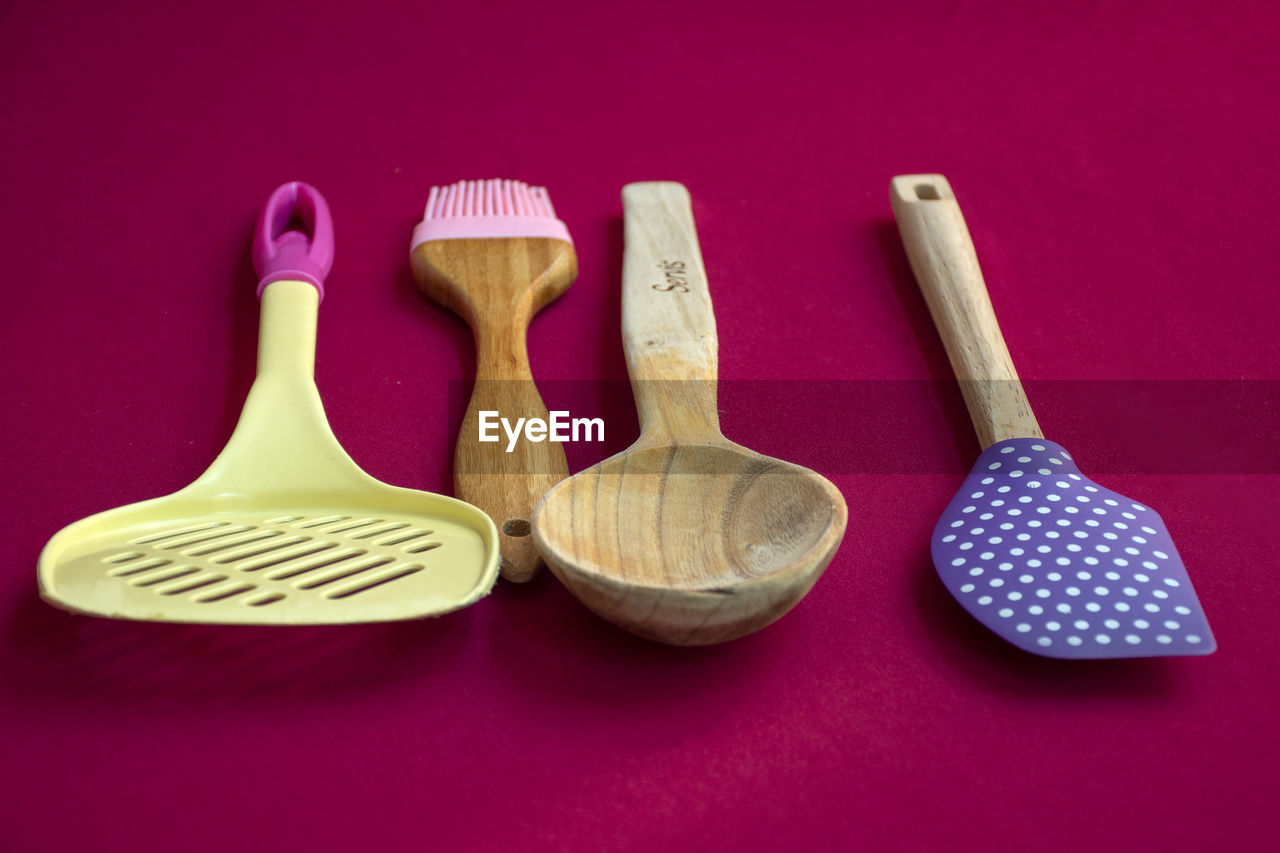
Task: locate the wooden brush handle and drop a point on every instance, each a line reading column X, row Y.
column 668, row 328
column 497, row 286
column 506, row 485
column 946, row 266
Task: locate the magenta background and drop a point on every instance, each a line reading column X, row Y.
column 1116, row 163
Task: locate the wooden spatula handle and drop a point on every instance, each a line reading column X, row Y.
column 946, row 266
column 668, row 328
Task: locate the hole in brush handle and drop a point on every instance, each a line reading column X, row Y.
column 517, row 527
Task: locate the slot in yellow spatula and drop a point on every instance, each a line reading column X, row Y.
column 283, row 528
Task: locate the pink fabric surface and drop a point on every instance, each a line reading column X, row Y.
column 1116, row 164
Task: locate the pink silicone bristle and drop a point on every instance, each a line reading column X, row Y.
column 492, row 208
column 541, row 201
column 506, row 200
column 469, row 200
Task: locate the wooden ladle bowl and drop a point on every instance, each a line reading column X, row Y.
column 685, row 537
column 691, row 544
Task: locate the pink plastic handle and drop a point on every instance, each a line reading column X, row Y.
column 282, row 252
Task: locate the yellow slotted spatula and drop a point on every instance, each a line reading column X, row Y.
column 283, row 528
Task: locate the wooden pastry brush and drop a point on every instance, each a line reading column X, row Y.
column 494, row 253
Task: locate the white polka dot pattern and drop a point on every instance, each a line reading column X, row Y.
column 1059, row 566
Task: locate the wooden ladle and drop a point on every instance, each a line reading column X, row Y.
column 685, row 537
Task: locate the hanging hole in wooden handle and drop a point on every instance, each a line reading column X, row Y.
column 516, row 527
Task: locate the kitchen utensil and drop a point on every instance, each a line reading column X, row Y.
column 283, row 528
column 685, row 537
column 495, row 253
column 1041, row 555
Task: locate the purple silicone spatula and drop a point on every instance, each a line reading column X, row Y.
column 1037, row 552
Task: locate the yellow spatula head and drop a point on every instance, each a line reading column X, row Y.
column 180, row 560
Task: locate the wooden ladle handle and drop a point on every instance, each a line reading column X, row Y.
column 668, row 328
column 946, row 266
